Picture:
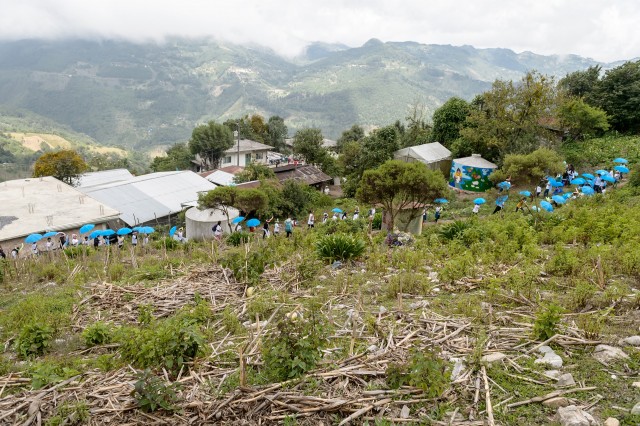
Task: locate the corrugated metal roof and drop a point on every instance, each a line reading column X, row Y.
column 427, row 153
column 476, row 161
column 220, row 178
column 40, row 204
column 104, row 177
column 147, row 197
column 247, row 145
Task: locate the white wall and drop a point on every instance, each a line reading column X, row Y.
column 243, row 158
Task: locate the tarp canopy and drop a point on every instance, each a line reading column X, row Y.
column 427, row 153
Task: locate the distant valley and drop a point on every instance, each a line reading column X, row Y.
column 142, row 97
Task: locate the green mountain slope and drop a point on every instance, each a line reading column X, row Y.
column 145, row 95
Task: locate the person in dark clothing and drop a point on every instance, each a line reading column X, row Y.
column 3, row 255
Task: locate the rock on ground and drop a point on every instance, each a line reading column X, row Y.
column 493, row 357
column 631, row 341
column 574, row 416
column 556, row 402
column 565, row 380
column 636, row 409
column 605, row 354
column 611, row 422
column 550, row 358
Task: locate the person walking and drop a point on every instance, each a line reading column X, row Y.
column 288, row 227
column 476, row 209
column 538, row 190
column 438, row 212
column 120, row 241
column 276, row 228
column 499, row 206
column 521, row 204
column 325, row 217
column 547, row 188
column 134, row 239
column 311, row 221
column 217, row 230
column 265, row 228
column 356, row 213
column 49, row 244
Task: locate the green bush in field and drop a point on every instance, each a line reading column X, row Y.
column 97, row 333
column 237, row 238
column 74, row 252
column 547, row 321
column 70, row 414
column 454, row 229
column 34, row 340
column 151, row 393
column 424, row 370
column 340, row 247
column 168, row 242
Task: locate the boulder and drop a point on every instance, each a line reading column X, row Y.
column 458, row 369
column 565, row 380
column 574, row 416
column 493, row 357
column 611, row 422
column 404, row 413
column 631, row 341
column 545, row 349
column 605, row 354
column 636, row 409
column 553, row 374
column 557, row 402
column 550, row 358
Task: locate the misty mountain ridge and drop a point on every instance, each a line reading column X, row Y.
column 142, row 96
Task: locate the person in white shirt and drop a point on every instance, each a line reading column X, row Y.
column 34, row 249
column 74, row 240
column 356, row 214
column 335, row 216
column 276, row 228
column 476, row 208
column 49, row 244
column 325, row 217
column 217, row 230
column 311, row 221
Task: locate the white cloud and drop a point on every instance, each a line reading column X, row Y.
column 601, row 29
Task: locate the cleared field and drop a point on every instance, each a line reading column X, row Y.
column 34, row 141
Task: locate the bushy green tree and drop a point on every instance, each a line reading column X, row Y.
column 307, row 143
column 210, row 141
column 354, row 134
column 397, row 186
column 178, row 157
column 65, row 165
column 253, row 172
column 277, row 132
column 582, row 84
column 448, row 120
column 619, row 95
column 582, row 120
column 221, row 198
column 527, row 169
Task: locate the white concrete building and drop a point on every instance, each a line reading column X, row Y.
column 246, row 152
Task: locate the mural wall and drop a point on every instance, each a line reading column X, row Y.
column 469, row 178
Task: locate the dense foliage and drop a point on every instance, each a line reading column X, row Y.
column 64, row 165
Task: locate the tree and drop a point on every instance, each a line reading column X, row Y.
column 509, row 119
column 251, row 201
column 354, row 134
column 582, row 120
column 530, row 168
column 277, row 132
column 618, row 94
column 178, row 157
column 448, row 120
column 582, row 84
column 308, row 144
column 210, row 141
column 397, row 185
column 417, row 131
column 254, row 171
column 221, row 198
column 64, row 165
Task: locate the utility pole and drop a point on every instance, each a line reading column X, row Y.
column 237, row 133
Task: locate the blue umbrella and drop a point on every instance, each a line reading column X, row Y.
column 173, row 230
column 236, row 220
column 602, row 172
column 504, row 185
column 124, row 231
column 253, row 223
column 33, row 238
column 86, row 228
column 550, row 178
column 567, row 195
column 525, row 193
column 558, row 199
column 608, row 178
column 95, row 234
column 620, row 160
column 147, row 230
column 107, row 232
column 621, row 169
column 588, row 175
column 50, row 234
column 479, row 201
column 501, row 200
column 556, row 184
column 337, row 210
column 578, row 181
column 441, row 201
column 137, row 228
column 546, row 205
column 587, row 190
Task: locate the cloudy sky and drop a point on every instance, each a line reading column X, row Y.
column 605, row 30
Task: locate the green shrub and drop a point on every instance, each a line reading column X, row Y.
column 231, row 322
column 70, row 414
column 168, row 242
column 454, row 229
column 49, row 372
column 340, row 247
column 74, row 252
column 116, row 271
column 546, row 322
column 49, row 272
column 342, row 226
column 170, row 343
column 409, row 283
column 564, row 262
column 424, row 370
column 581, row 294
column 152, row 393
column 295, row 346
column 247, row 265
column 97, row 333
column 237, row 238
column 34, row 340
column 377, row 221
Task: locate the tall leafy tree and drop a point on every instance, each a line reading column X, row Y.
column 417, row 130
column 65, row 165
column 308, row 144
column 210, row 141
column 619, row 95
column 397, row 186
column 277, row 132
column 254, row 171
column 178, row 157
column 530, row 168
column 582, row 120
column 448, row 120
column 582, row 84
column 354, row 134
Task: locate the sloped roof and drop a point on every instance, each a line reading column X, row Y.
column 476, row 161
column 426, row 153
column 104, row 177
column 302, row 172
column 151, row 196
column 247, row 145
column 220, row 178
column 43, row 204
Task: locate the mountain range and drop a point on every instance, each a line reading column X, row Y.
column 146, row 96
